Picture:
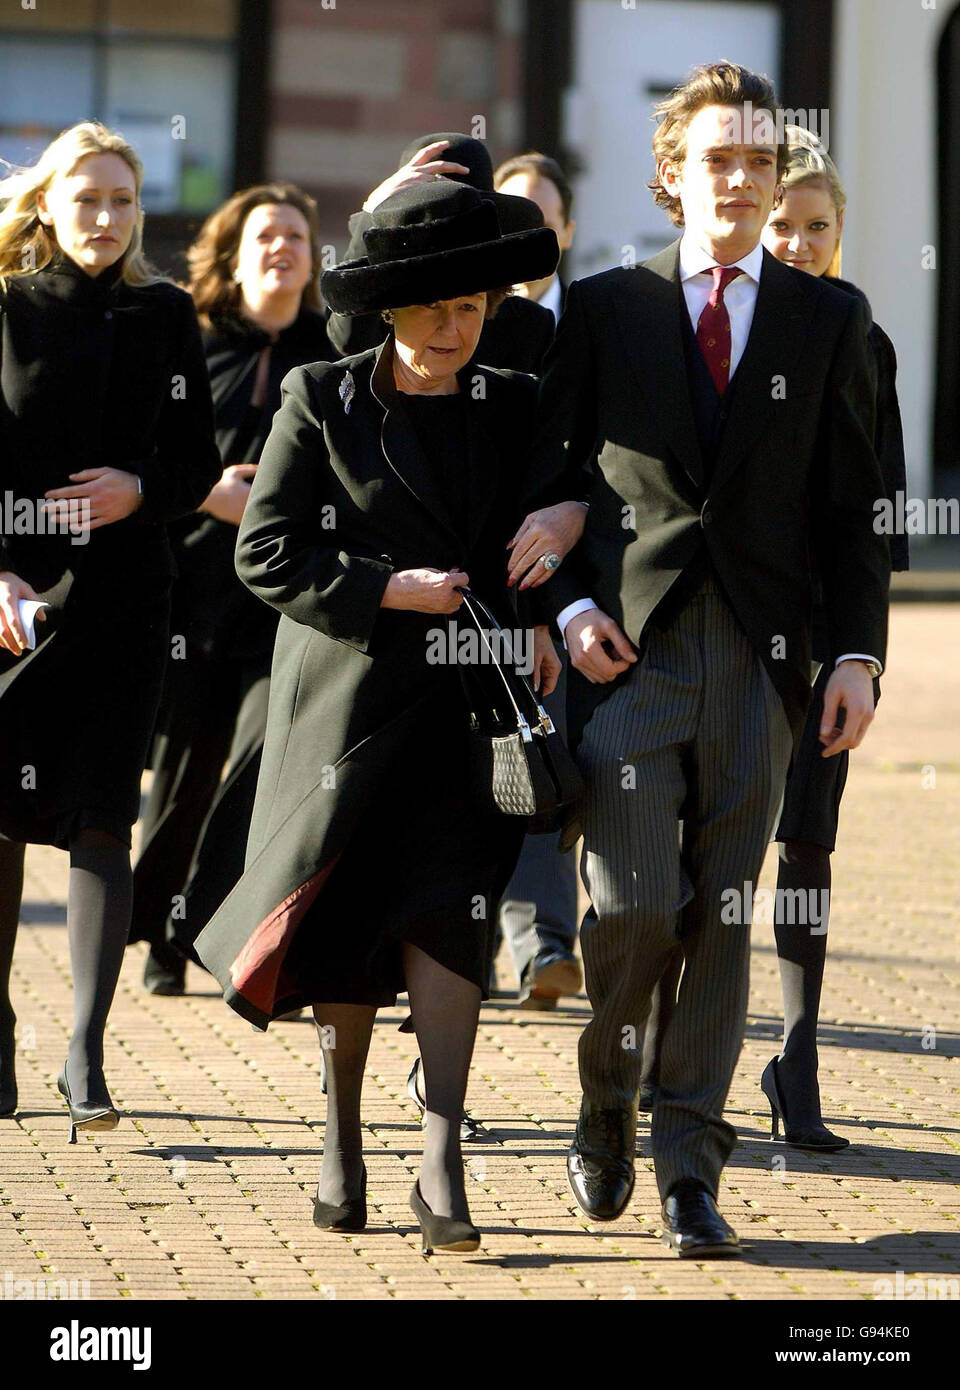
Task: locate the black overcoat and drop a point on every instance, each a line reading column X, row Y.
column 791, row 493
column 888, row 437
column 210, row 605
column 94, row 372
column 342, row 498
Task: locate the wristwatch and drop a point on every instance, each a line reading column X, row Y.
column 872, row 668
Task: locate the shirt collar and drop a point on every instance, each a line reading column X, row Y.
column 694, row 260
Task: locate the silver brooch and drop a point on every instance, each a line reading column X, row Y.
column 348, row 390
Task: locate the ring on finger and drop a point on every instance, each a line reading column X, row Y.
column 550, row 561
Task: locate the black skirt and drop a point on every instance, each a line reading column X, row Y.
column 424, row 865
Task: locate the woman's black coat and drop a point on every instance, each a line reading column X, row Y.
column 342, row 498
column 93, row 372
column 210, row 605
column 888, row 437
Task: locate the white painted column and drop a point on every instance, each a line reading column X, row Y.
column 883, row 138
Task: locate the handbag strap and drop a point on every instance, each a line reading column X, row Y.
column 542, row 718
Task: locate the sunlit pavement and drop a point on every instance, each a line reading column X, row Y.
column 204, row 1190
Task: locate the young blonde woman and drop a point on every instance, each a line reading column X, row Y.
column 253, row 276
column 805, row 230
column 105, row 414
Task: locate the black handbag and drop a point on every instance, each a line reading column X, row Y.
column 519, row 764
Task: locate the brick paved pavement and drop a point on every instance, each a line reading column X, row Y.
column 204, row 1189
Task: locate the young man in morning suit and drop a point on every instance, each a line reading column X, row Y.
column 722, row 407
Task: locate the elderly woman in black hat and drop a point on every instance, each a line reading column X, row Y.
column 389, row 480
column 521, row 333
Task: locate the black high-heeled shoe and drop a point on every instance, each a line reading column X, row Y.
column 442, row 1232
column 816, row 1138
column 8, row 1071
column 87, row 1115
column 470, row 1129
column 350, row 1215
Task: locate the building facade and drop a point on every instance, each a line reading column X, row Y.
column 327, row 93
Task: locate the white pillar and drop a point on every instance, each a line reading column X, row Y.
column 885, row 146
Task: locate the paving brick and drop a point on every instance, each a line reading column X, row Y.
column 204, row 1191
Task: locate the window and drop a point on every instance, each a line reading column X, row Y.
column 163, row 74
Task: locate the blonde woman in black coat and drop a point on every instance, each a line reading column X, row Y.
column 106, row 433
column 390, row 479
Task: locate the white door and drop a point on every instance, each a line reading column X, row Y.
column 625, row 60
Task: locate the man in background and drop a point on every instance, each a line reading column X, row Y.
column 538, row 912
column 538, row 177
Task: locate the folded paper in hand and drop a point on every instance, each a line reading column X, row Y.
column 27, row 613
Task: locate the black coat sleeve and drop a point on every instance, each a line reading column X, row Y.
column 888, row 440
column 855, row 559
column 4, row 449
column 565, row 446
column 185, row 463
column 284, row 554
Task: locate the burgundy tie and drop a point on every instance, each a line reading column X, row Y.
column 713, row 328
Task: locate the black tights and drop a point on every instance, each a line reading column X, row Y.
column 445, row 1010
column 11, row 891
column 98, row 923
column 802, row 950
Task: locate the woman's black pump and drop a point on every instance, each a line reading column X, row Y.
column 350, row 1215
column 86, row 1116
column 442, row 1232
column 8, row 1072
column 817, row 1139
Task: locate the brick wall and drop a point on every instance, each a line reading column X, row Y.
column 353, row 81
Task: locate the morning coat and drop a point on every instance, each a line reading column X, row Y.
column 791, row 493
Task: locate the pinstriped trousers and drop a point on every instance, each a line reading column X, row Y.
column 684, row 766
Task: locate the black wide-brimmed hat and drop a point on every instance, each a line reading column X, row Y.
column 516, row 214
column 435, row 241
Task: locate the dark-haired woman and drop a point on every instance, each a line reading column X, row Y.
column 105, row 412
column 390, row 479
column 253, row 277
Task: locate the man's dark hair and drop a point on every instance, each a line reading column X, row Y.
column 543, row 167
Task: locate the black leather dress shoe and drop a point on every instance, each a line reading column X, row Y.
column 164, row 971
column 600, row 1164
column 693, row 1226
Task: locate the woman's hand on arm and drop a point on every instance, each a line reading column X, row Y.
column 425, row 590
column 110, row 494
column 12, row 590
column 549, row 531
column 228, row 498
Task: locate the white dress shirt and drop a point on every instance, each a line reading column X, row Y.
column 740, row 297
column 552, row 297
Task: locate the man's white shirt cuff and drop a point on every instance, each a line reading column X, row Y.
column 572, row 610
column 850, row 656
